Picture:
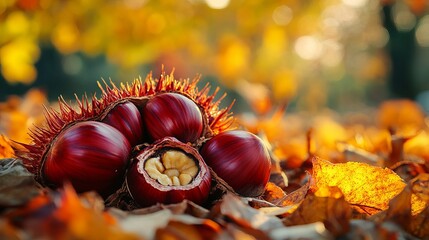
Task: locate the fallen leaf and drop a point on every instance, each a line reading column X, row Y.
column 296, row 196
column 402, row 115
column 238, row 212
column 419, row 225
column 327, row 205
column 133, row 223
column 197, row 229
column 273, row 193
column 6, row 150
column 368, row 188
column 364, row 229
column 315, row 230
column 402, row 208
column 64, row 216
column 17, row 184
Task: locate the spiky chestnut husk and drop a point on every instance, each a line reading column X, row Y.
column 92, row 108
column 168, row 171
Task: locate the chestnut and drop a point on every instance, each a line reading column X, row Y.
column 90, row 155
column 127, row 119
column 168, row 171
column 241, row 159
column 173, row 115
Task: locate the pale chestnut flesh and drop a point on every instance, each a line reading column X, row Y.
column 172, row 168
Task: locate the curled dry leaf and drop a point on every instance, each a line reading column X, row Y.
column 64, row 216
column 410, row 208
column 273, row 193
column 368, row 188
column 326, row 205
column 296, row 196
column 195, row 229
column 235, row 210
column 17, row 184
column 286, row 204
column 157, row 219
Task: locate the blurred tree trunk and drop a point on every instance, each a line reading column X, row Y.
column 401, row 50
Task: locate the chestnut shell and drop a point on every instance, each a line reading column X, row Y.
column 241, row 159
column 173, row 115
column 147, row 191
column 127, row 119
column 90, row 155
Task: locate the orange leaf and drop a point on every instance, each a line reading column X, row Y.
column 367, row 188
column 296, row 196
column 403, row 116
column 273, row 193
column 66, row 217
column 6, row 150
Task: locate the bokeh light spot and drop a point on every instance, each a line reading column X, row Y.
column 422, row 32
column 308, row 47
column 217, row 4
column 282, row 15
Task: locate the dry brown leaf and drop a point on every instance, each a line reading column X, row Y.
column 64, row 216
column 364, row 229
column 296, row 196
column 327, row 205
column 410, row 208
column 419, row 225
column 273, row 193
column 182, row 229
column 368, row 188
column 240, row 213
column 17, row 184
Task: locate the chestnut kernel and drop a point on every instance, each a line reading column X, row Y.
column 241, row 159
column 173, row 115
column 90, row 155
column 168, row 171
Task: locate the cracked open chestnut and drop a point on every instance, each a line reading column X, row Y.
column 168, row 171
column 241, row 159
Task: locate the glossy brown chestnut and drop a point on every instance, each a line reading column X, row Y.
column 173, row 115
column 127, row 119
column 168, row 171
column 90, row 155
column 241, row 159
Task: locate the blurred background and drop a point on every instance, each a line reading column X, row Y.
column 304, row 54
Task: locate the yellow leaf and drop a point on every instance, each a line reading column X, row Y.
column 366, row 187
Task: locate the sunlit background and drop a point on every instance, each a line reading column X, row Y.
column 306, row 55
